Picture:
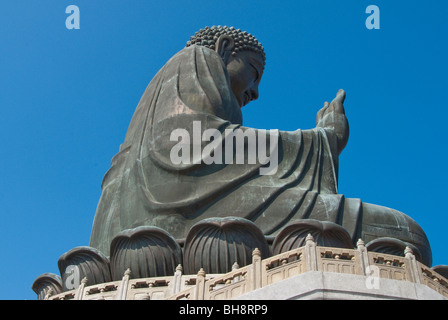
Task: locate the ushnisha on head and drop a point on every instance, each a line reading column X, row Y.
column 208, row 37
column 242, row 54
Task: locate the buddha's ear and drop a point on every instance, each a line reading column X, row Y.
column 224, row 46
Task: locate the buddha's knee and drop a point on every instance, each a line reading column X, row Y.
column 378, row 222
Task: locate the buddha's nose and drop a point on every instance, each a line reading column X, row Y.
column 254, row 93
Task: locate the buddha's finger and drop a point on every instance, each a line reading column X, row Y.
column 321, row 112
column 337, row 105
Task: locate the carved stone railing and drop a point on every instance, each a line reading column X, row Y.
column 261, row 273
column 433, row 280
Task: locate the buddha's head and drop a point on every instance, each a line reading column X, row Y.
column 242, row 55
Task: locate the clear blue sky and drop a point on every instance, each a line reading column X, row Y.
column 67, row 97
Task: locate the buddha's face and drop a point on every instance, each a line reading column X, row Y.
column 245, row 70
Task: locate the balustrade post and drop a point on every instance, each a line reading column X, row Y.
column 80, row 291
column 257, row 276
column 311, row 254
column 200, row 285
column 123, row 288
column 177, row 281
column 412, row 265
column 236, row 266
column 49, row 294
column 364, row 257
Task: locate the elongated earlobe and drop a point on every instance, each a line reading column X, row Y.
column 224, row 47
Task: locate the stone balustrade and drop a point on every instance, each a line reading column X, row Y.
column 261, row 273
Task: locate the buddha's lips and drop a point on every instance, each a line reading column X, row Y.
column 246, row 99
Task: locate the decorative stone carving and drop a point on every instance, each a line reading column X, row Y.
column 215, row 244
column 83, row 262
column 393, row 246
column 146, row 251
column 325, row 234
column 46, row 285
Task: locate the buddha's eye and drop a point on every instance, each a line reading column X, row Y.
column 257, row 74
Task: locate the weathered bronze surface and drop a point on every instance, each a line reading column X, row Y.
column 207, row 83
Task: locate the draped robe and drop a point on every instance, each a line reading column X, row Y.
column 144, row 186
